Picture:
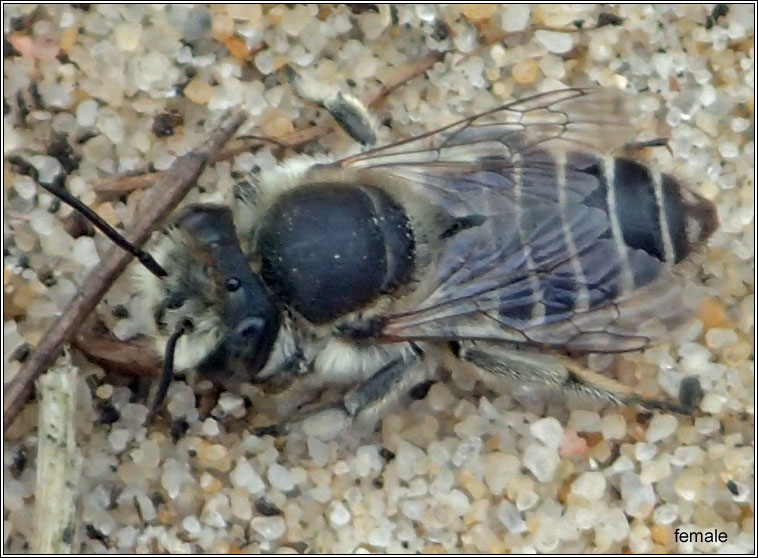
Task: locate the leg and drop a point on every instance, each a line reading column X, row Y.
column 636, row 146
column 557, row 373
column 352, row 117
column 346, row 110
column 368, row 398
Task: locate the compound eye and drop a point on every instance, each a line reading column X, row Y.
column 175, row 300
column 232, row 284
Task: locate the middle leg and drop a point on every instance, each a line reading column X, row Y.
column 366, row 401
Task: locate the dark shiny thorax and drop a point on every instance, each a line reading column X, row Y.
column 328, row 249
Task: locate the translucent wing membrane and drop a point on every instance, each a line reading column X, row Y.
column 543, row 268
column 544, row 258
column 595, row 119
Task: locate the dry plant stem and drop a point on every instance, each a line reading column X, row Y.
column 180, row 178
column 58, row 461
column 404, row 75
column 127, row 184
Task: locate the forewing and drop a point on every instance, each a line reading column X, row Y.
column 541, row 264
column 590, row 118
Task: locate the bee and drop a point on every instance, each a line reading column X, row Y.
column 507, row 240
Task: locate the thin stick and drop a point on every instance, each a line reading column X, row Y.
column 180, row 178
column 406, row 74
column 125, row 184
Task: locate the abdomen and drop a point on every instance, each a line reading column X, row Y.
column 654, row 211
column 621, row 226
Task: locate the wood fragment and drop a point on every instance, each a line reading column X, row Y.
column 208, row 401
column 127, row 183
column 161, row 201
column 135, row 357
column 58, row 461
column 76, row 225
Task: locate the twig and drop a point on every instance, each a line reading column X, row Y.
column 403, row 76
column 58, row 461
column 125, row 184
column 128, row 183
column 180, row 178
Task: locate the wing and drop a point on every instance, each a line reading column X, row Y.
column 533, row 255
column 590, row 118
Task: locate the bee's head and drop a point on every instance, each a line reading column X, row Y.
column 212, row 310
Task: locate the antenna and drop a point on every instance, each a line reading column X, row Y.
column 168, row 370
column 74, row 202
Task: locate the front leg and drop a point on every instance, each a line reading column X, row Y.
column 281, row 377
column 367, row 400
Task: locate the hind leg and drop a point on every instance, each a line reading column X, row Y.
column 557, row 373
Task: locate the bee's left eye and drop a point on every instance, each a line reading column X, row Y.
column 175, row 300
column 232, row 284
